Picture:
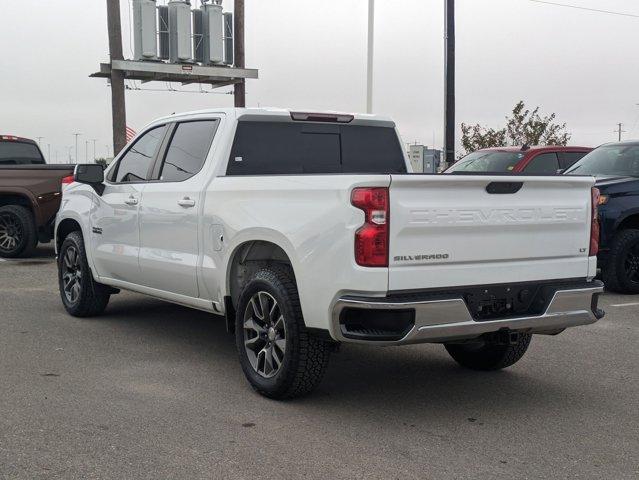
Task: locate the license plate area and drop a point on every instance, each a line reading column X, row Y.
column 505, row 301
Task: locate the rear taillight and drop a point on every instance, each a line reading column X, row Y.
column 67, row 180
column 371, row 240
column 594, row 223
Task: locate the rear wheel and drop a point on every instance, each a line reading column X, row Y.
column 489, row 355
column 621, row 272
column 18, row 236
column 279, row 357
column 81, row 295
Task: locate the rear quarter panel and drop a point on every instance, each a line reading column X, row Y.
column 309, row 217
column 40, row 185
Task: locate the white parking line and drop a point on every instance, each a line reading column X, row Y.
column 633, row 304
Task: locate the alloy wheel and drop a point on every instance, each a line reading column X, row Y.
column 71, row 274
column 11, row 232
column 264, row 334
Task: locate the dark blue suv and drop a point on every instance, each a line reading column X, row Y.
column 616, row 167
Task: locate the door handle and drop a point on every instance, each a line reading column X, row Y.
column 186, row 202
column 131, row 200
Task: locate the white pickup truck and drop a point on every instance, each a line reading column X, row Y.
column 307, row 230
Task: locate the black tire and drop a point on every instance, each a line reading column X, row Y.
column 488, row 355
column 624, row 252
column 91, row 297
column 306, row 357
column 18, row 235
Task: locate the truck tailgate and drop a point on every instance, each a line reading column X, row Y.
column 449, row 230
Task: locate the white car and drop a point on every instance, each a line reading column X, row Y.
column 307, row 230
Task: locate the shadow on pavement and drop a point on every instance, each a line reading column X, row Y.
column 361, row 380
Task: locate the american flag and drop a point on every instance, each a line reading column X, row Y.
column 130, row 133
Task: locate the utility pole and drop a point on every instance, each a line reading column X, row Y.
column 86, row 151
column 619, row 130
column 76, row 135
column 239, row 88
column 118, row 106
column 48, row 152
column 39, row 140
column 370, row 56
column 449, row 92
column 94, row 140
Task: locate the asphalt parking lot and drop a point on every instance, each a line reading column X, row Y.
column 152, row 390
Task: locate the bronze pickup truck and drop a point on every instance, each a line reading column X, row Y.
column 30, row 194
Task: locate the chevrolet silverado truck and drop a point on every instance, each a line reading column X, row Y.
column 30, row 194
column 616, row 168
column 307, row 230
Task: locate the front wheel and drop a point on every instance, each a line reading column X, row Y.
column 489, row 355
column 81, row 295
column 278, row 355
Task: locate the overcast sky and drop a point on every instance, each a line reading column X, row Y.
column 312, row 54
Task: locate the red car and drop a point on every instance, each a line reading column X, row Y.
column 531, row 160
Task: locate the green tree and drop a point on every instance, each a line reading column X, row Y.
column 523, row 127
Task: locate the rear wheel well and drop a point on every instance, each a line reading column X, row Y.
column 66, row 226
column 13, row 199
column 629, row 222
column 247, row 259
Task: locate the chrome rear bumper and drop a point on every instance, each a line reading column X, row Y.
column 437, row 321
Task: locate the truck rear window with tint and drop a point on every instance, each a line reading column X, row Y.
column 18, row 153
column 263, row 148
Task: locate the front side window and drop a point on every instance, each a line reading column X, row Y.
column 188, row 150
column 134, row 165
column 488, row 161
column 543, row 164
column 609, row 161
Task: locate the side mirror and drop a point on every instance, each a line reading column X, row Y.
column 90, row 174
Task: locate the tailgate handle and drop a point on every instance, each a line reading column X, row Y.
column 504, row 188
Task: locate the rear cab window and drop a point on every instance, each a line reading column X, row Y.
column 285, row 148
column 19, row 153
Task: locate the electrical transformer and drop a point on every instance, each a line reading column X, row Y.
column 180, row 31
column 213, row 33
column 144, row 23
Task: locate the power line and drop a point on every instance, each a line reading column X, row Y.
column 578, row 7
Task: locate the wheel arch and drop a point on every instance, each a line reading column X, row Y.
column 247, row 257
column 630, row 220
column 22, row 198
column 64, row 228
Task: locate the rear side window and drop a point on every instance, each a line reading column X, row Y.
column 262, row 148
column 544, row 164
column 188, row 150
column 134, row 165
column 19, row 153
